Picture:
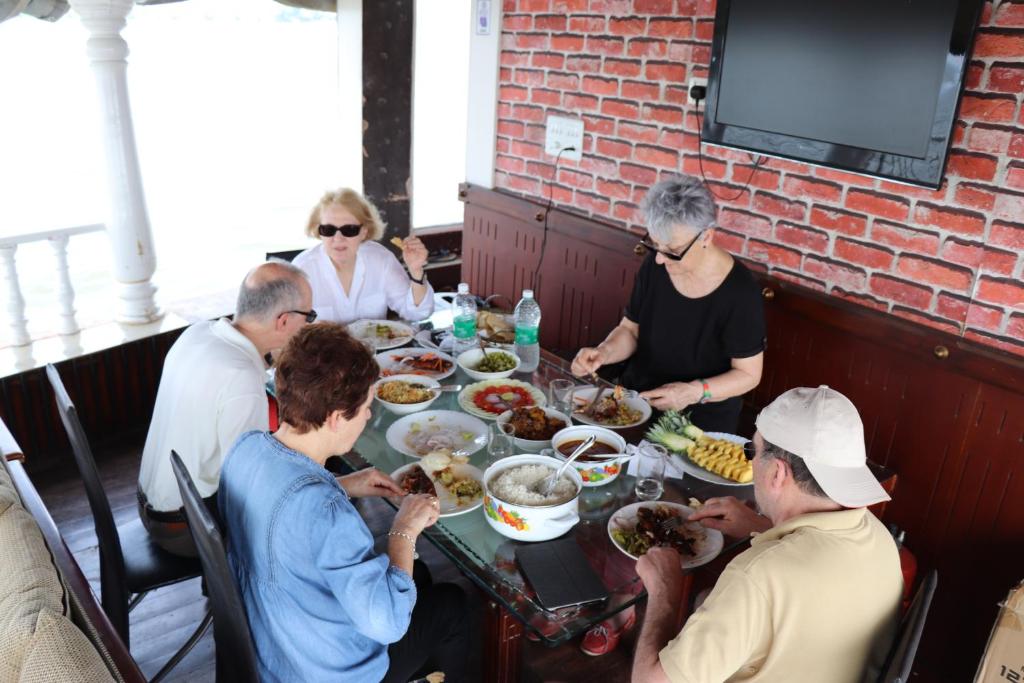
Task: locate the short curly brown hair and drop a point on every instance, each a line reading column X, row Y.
column 321, row 370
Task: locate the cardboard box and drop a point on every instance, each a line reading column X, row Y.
column 1003, row 661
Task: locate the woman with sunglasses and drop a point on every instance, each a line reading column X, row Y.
column 353, row 275
column 693, row 336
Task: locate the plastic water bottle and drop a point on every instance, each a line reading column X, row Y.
column 528, row 332
column 464, row 325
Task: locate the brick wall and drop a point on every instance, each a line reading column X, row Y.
column 951, row 258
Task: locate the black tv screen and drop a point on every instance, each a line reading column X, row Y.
column 869, row 86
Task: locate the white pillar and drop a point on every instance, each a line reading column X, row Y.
column 128, row 222
column 15, row 301
column 65, row 292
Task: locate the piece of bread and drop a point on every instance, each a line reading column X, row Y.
column 398, row 242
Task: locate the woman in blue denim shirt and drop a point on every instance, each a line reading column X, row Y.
column 322, row 605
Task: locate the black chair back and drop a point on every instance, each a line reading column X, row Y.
column 236, row 654
column 114, row 593
column 288, row 255
column 901, row 656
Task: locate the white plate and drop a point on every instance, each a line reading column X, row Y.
column 631, row 400
column 695, row 470
column 427, row 419
column 390, row 363
column 705, row 549
column 466, row 396
column 361, row 330
column 449, row 504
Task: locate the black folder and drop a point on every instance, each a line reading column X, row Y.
column 560, row 574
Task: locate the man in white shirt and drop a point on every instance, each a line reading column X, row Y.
column 817, row 594
column 212, row 391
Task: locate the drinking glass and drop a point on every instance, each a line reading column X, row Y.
column 500, row 444
column 650, row 472
column 560, row 395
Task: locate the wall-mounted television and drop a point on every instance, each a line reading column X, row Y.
column 869, row 86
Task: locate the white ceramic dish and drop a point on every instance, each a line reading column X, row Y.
column 467, row 395
column 365, row 330
column 584, row 395
column 449, row 504
column 695, row 470
column 530, row 523
column 390, row 363
column 407, row 408
column 705, row 549
column 592, row 472
column 468, row 360
column 535, row 445
column 469, row 433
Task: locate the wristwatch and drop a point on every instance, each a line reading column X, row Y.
column 421, row 281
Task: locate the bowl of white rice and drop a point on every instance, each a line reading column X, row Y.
column 514, row 509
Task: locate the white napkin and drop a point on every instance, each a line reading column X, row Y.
column 673, row 466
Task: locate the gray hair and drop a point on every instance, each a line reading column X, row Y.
column 680, row 203
column 270, row 289
column 801, row 475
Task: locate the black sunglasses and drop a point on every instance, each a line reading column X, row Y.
column 350, row 230
column 647, row 244
column 310, row 314
column 749, row 450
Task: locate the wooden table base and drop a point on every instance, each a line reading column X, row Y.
column 503, row 644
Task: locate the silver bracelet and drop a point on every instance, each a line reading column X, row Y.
column 412, row 542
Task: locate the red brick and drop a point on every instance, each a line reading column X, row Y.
column 795, row 278
column 679, row 140
column 1016, row 148
column 599, row 166
column 622, row 67
column 1007, row 235
column 736, row 196
column 961, row 252
column 528, row 77
column 909, row 191
column 623, row 109
column 862, row 299
column 638, row 132
column 773, row 254
column 1015, row 175
column 666, row 71
column 547, row 60
column 619, row 7
column 613, row 189
column 1003, row 291
column 985, row 317
column 835, row 272
column 863, row 254
column 802, row 236
column 575, row 102
column 627, row 26
column 595, row 85
column 513, row 93
column 567, row 42
column 510, row 164
column 999, row 43
column 702, row 54
column 975, row 196
column 745, row 223
column 513, row 129
column 729, row 241
column 975, row 75
column 600, row 125
column 516, row 22
column 1009, row 78
column 593, row 203
column 534, row 5
column 614, row 148
column 959, row 132
column 670, row 115
column 531, row 41
column 900, row 290
column 887, row 206
column 587, row 24
column 605, row 45
column 1009, row 14
column 670, row 28
column 647, row 47
column 956, row 220
column 916, row 316
column 551, row 98
column 541, row 170
column 526, row 150
column 796, row 186
column 974, row 166
column 637, row 174
column 675, row 94
column 952, row 306
column 982, row 107
column 1009, row 206
column 778, row 206
column 625, row 211
column 510, row 58
column 561, row 194
column 575, row 179
column 711, row 168
column 1016, row 325
column 653, row 6
column 838, row 176
column 563, row 81
column 521, row 183
column 1001, row 343
column 840, row 221
column 549, row 22
column 569, row 6
column 792, row 167
column 656, row 156
column 936, row 272
column 639, row 90
column 998, row 261
column 905, row 238
column 680, row 51
column 705, row 29
column 762, row 178
column 502, row 146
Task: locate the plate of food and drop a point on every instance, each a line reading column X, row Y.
column 383, row 334
column 637, row 528
column 616, row 409
column 433, row 364
column 457, row 484
column 495, row 327
column 534, row 426
column 421, row 433
column 491, row 398
column 714, row 457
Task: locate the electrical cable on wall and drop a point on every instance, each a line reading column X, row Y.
column 544, row 235
column 698, row 93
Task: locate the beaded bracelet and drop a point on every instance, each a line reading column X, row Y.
column 412, row 541
column 707, row 391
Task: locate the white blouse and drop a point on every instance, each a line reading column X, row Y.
column 378, row 284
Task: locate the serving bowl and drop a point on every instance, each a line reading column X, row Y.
column 534, row 445
column 530, row 522
column 592, row 472
column 407, row 408
column 468, row 360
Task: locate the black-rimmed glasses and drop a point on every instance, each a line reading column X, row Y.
column 310, row 314
column 350, row 230
column 646, row 243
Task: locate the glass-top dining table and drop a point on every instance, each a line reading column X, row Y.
column 487, row 558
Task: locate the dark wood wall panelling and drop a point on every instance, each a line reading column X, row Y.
column 947, row 415
column 114, row 391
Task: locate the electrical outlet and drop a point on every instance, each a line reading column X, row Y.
column 562, row 133
column 692, row 82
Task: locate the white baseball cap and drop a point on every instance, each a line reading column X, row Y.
column 823, row 428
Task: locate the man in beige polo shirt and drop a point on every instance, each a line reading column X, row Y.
column 817, row 594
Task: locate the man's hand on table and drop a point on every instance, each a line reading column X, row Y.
column 588, row 360
column 661, row 571
column 730, row 516
column 675, row 395
column 369, row 482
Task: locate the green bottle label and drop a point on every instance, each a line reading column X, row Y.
column 526, row 335
column 465, row 327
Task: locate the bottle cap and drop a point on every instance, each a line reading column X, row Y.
column 527, row 293
column 463, row 288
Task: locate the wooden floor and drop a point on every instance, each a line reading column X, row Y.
column 165, row 618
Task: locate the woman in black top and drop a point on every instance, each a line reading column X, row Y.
column 693, row 332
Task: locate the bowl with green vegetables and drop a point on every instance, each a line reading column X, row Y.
column 494, row 364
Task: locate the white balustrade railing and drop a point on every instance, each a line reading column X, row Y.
column 58, row 240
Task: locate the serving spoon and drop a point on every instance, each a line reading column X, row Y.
column 546, row 485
